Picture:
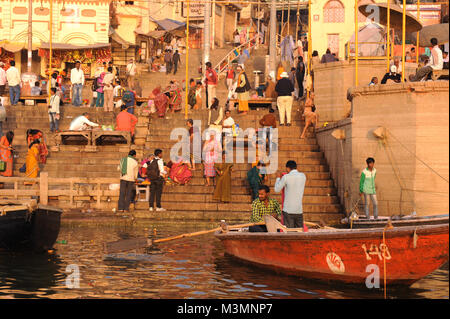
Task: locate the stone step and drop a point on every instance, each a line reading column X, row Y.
column 198, row 199
column 217, row 206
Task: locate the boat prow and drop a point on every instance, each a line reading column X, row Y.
column 345, row 255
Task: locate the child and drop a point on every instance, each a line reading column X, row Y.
column 53, row 111
column 36, row 89
column 367, row 187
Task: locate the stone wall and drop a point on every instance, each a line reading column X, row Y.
column 332, row 80
column 412, row 163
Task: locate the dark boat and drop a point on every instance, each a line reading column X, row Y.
column 396, row 221
column 27, row 225
column 344, row 255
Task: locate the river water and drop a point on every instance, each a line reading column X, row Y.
column 194, row 267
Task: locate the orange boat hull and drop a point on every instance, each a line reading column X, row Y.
column 349, row 256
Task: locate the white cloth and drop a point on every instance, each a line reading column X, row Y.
column 77, row 76
column 81, row 123
column 13, row 76
column 228, row 122
column 131, row 69
column 439, row 64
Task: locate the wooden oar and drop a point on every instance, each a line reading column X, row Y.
column 141, row 242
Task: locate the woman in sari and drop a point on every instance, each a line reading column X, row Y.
column 32, row 160
column 223, row 187
column 161, row 101
column 175, row 97
column 179, row 172
column 6, row 153
column 37, row 135
column 242, row 90
column 211, row 151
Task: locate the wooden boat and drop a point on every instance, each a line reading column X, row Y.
column 396, row 221
column 343, row 255
column 26, row 224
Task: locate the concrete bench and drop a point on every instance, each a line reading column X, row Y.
column 63, row 136
column 139, row 100
column 438, row 73
column 100, row 136
column 34, row 98
column 257, row 102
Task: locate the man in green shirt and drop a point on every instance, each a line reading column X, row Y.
column 367, row 187
column 263, row 205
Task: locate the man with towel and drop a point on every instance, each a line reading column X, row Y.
column 128, row 168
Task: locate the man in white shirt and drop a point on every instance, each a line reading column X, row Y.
column 2, row 79
column 131, row 72
column 77, row 79
column 82, row 123
column 128, row 168
column 436, row 63
column 13, row 77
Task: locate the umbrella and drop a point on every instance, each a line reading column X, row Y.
column 438, row 31
column 396, row 12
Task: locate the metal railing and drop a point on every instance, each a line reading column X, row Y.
column 226, row 61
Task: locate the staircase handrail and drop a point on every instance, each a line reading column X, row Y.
column 231, row 53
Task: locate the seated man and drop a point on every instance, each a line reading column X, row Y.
column 82, row 123
column 126, row 121
column 395, row 74
column 436, row 63
column 262, row 206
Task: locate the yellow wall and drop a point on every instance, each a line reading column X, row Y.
column 320, row 29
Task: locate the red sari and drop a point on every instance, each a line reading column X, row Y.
column 161, row 100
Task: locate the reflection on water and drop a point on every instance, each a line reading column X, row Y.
column 188, row 268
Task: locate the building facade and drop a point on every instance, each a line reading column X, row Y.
column 76, row 24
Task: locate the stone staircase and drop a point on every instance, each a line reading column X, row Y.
column 320, row 200
column 193, row 201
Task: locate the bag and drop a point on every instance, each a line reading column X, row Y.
column 127, row 97
column 2, row 166
column 95, row 85
column 153, row 170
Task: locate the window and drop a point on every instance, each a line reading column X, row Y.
column 333, row 12
column 129, row 3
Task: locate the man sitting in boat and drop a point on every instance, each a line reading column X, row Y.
column 263, row 205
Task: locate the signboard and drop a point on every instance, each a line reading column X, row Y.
column 197, row 10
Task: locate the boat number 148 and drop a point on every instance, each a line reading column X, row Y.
column 381, row 251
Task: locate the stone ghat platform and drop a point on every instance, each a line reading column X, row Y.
column 83, row 180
